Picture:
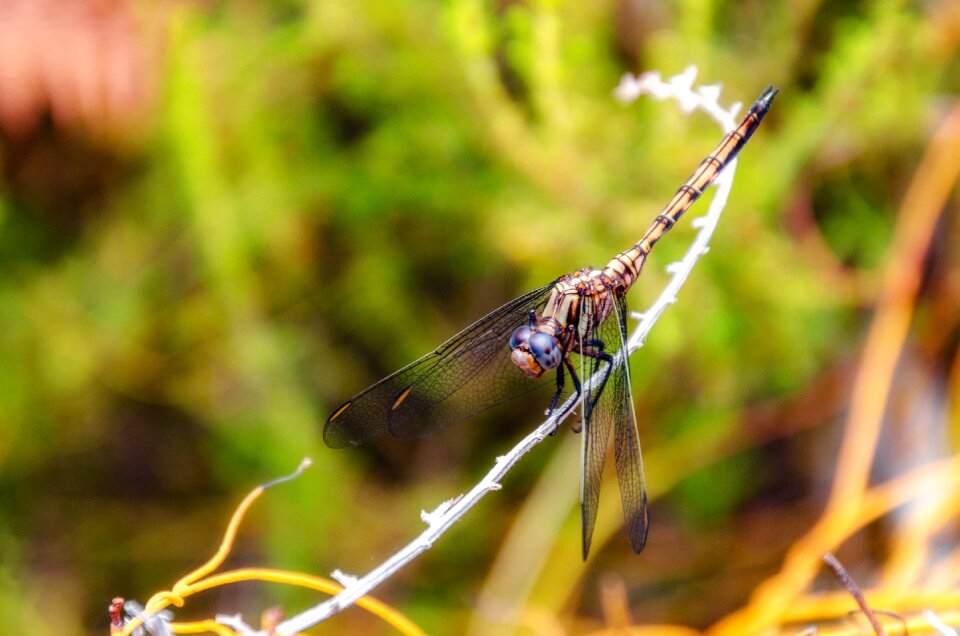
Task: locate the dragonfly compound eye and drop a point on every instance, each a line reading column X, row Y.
column 519, row 336
column 545, row 350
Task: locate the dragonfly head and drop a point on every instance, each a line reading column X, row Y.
column 534, row 352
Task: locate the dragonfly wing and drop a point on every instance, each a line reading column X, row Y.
column 595, row 423
column 626, row 440
column 468, row 373
column 608, row 406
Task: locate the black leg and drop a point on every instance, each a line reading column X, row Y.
column 576, row 387
column 598, row 356
column 556, row 397
column 576, row 382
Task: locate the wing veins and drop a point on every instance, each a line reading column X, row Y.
column 368, row 413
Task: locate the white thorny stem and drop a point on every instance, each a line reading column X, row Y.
column 681, row 89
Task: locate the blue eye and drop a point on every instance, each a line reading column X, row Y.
column 519, row 336
column 545, row 350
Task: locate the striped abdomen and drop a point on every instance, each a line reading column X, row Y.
column 626, row 266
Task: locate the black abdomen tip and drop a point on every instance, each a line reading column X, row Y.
column 767, row 96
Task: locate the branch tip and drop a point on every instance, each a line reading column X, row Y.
column 304, row 465
column 344, row 579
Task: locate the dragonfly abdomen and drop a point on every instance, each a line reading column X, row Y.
column 627, row 265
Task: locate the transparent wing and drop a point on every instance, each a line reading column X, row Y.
column 467, row 374
column 608, row 406
column 626, row 440
column 595, row 373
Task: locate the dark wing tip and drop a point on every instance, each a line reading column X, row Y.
column 638, row 527
column 334, row 437
column 335, row 433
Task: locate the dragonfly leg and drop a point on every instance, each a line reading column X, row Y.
column 599, row 355
column 576, row 388
column 556, row 397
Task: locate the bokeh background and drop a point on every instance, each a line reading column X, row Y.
column 219, row 220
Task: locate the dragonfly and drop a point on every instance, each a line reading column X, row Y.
column 574, row 326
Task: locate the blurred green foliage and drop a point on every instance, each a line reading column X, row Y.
column 324, row 191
